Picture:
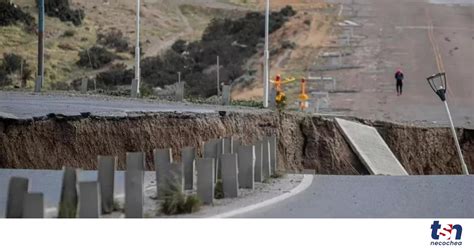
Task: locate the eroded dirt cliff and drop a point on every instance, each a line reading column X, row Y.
column 304, row 141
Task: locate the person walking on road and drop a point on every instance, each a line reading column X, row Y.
column 399, row 77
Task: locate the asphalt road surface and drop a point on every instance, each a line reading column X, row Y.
column 27, row 105
column 378, row 197
column 421, row 37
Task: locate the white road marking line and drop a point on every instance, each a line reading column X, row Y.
column 305, row 183
column 340, row 10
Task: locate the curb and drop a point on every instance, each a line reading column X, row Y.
column 305, row 183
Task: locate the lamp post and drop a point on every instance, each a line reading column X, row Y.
column 438, row 84
column 266, row 76
column 40, row 74
column 136, row 81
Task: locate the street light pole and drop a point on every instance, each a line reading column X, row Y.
column 136, row 82
column 40, row 76
column 266, row 77
column 218, row 77
column 456, row 141
column 438, row 84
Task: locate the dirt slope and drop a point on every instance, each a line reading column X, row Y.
column 304, row 141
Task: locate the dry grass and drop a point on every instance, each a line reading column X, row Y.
column 309, row 40
column 161, row 24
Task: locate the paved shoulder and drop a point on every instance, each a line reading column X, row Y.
column 378, row 197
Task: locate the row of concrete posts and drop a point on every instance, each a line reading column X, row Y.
column 224, row 161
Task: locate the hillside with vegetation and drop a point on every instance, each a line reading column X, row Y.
column 96, row 40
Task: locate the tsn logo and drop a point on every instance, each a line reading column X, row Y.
column 446, row 234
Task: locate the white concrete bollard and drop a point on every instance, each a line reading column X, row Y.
column 266, row 169
column 205, row 179
column 246, row 165
column 176, row 175
column 69, row 200
column 230, row 182
column 162, row 159
column 33, row 205
column 89, row 200
column 235, row 145
column 258, row 162
column 188, row 155
column 273, row 154
column 106, row 178
column 134, row 187
column 17, row 188
column 213, row 149
column 227, row 144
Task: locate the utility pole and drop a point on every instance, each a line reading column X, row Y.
column 218, row 77
column 40, row 76
column 136, row 82
column 266, row 76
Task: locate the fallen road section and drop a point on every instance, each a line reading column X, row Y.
column 371, row 149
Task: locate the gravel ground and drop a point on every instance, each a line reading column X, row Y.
column 262, row 192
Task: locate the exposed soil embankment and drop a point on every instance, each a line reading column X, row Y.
column 304, row 141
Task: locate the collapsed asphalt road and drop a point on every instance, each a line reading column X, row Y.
column 28, row 105
column 377, row 197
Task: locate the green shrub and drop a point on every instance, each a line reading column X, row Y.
column 11, row 62
column 11, row 14
column 176, row 202
column 69, row 33
column 219, row 190
column 114, row 39
column 95, row 57
column 67, row 210
column 247, row 103
column 277, row 174
column 61, row 9
column 4, row 79
column 117, row 75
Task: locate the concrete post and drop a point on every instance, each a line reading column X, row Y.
column 213, row 149
column 179, row 92
column 68, row 202
column 40, row 72
column 230, row 182
column 17, row 188
column 266, row 71
column 135, row 91
column 163, row 159
column 89, row 200
column 106, row 178
column 84, row 86
column 272, row 98
column 235, row 145
column 258, row 162
column 205, row 179
column 246, row 165
column 226, row 99
column 266, row 169
column 33, row 205
column 273, row 154
column 227, row 145
column 188, row 154
column 218, row 77
column 134, row 188
column 176, row 175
